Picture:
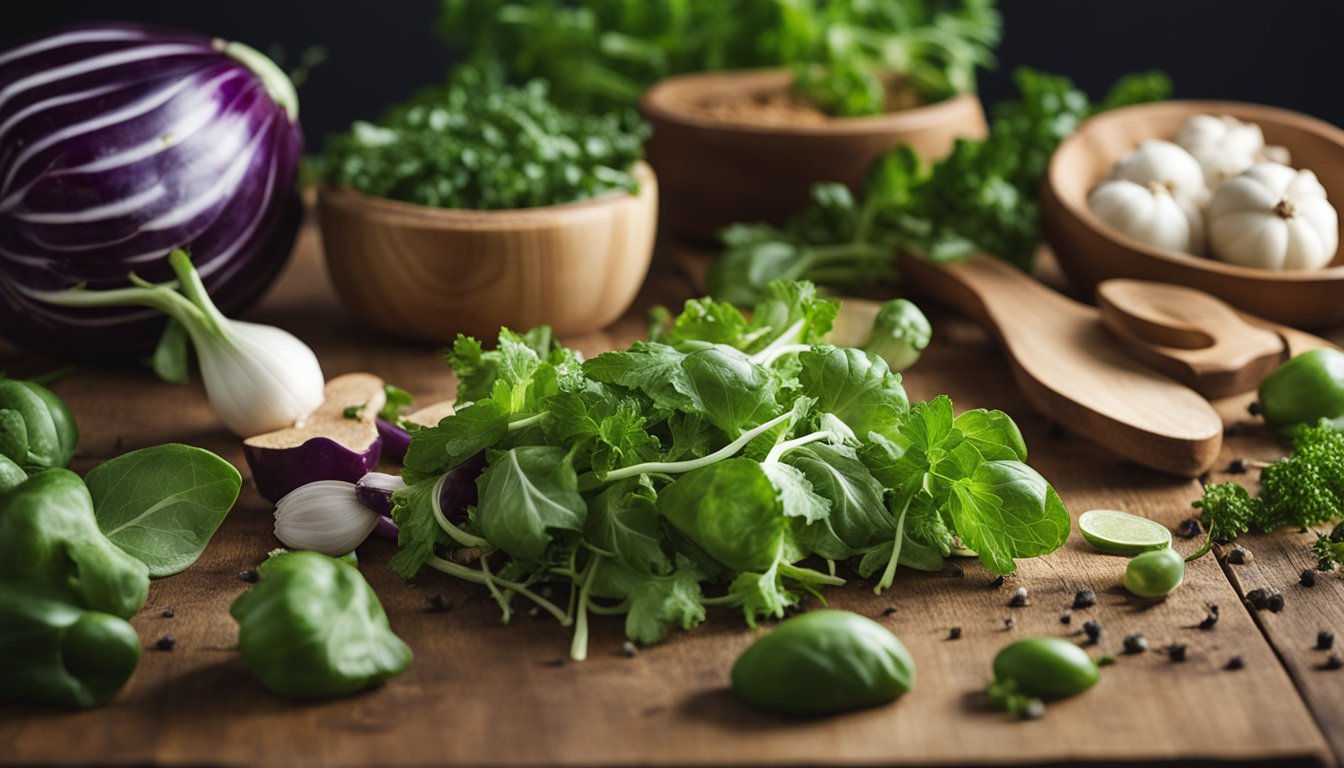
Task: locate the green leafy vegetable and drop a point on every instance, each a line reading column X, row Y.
column 981, row 197
column 162, row 504
column 471, row 144
column 717, row 464
column 601, row 54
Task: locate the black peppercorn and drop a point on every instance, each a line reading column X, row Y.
column 628, row 649
column 889, row 610
column 1308, row 578
column 1258, row 598
column 1325, row 640
column 1209, row 621
column 1189, row 528
column 1237, row 467
column 1176, row 652
column 1019, row 598
column 1066, row 618
column 1235, row 663
column 1092, row 628
column 166, row 643
column 168, row 613
column 996, row 583
column 1008, row 623
column 249, row 576
column 438, row 602
column 1333, row 663
column 1135, row 644
column 1274, row 602
column 1084, row 598
column 954, row 633
column 1240, row 556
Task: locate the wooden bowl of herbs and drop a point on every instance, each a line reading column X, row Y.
column 1090, row 251
column 747, row 146
column 451, row 217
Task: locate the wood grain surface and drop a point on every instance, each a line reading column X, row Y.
column 484, row 694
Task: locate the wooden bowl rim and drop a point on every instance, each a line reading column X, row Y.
column 662, row 101
column 1256, row 113
column 382, row 207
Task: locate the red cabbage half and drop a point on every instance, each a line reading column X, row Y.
column 119, row 143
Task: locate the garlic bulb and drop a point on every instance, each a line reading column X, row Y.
column 323, row 517
column 1150, row 214
column 1273, row 217
column 1223, row 145
column 1167, row 165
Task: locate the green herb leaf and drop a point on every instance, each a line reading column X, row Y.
column 856, row 387
column 435, row 450
column 169, row 360
column 729, row 510
column 526, row 493
column 1006, row 510
column 162, row 504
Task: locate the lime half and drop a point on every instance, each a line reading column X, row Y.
column 1121, row 533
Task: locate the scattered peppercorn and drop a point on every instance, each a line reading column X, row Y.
column 954, row 633
column 1258, row 598
column 1008, row 623
column 1084, row 598
column 1209, row 621
column 1238, row 467
column 165, row 643
column 1189, row 528
column 1176, row 652
column 1308, row 578
column 249, row 576
column 1325, row 640
column 1135, row 644
column 439, row 602
column 996, row 583
column 1240, row 556
column 628, row 649
column 1106, row 660
column 1333, row 663
column 1274, row 603
column 889, row 610
column 1066, row 618
column 1235, row 663
column 1019, row 598
column 1253, row 408
column 168, row 613
column 1092, row 628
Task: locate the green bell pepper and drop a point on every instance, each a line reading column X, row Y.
column 1303, row 391
column 37, row 430
column 54, row 652
column 50, row 539
column 312, row 627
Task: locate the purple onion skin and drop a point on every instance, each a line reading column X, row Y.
column 386, row 529
column 459, row 490
column 375, row 490
column 88, row 204
column 277, row 471
column 396, row 440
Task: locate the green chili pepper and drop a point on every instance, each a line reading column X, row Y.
column 313, row 628
column 1304, row 390
column 37, row 430
column 54, row 652
column 50, row 539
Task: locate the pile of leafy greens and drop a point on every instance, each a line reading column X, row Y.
column 708, row 466
column 602, row 54
column 482, row 146
column 1303, row 490
column 983, row 197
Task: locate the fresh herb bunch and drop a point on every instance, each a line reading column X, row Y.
column 602, row 54
column 703, row 466
column 1329, row 549
column 478, row 145
column 1304, row 489
column 981, row 197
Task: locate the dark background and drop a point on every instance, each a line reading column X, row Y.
column 1281, row 52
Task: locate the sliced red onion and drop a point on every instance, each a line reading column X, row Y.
column 386, row 528
column 375, row 490
column 121, row 142
column 395, row 440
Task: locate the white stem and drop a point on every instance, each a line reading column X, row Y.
column 675, row 467
column 527, row 421
column 456, row 534
column 782, row 448
column 788, row 338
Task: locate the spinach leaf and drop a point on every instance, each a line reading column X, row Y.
column 1007, row 510
column 659, row 603
column 526, row 493
column 856, row 387
column 993, row 433
column 729, row 510
column 856, row 516
column 417, row 530
column 652, row 369
column 623, row 522
column 162, row 504
column 729, row 389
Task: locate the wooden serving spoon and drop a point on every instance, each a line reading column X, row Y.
column 1196, row 338
column 1189, row 335
column 1072, row 370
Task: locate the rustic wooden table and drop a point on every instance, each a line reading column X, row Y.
column 484, row 694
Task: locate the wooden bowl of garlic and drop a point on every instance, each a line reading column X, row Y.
column 1239, row 200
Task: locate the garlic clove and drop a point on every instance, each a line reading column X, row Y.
column 325, row 517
